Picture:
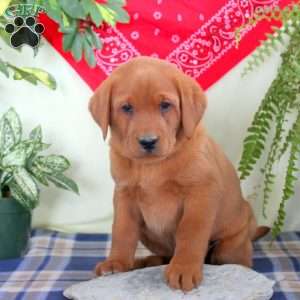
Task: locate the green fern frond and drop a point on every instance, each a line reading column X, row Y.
column 290, row 178
column 280, row 97
column 269, row 176
column 287, row 142
column 265, row 49
column 254, row 143
column 289, row 18
column 280, row 103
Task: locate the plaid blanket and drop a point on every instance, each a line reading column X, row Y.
column 56, row 261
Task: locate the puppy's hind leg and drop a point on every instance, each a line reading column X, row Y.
column 235, row 249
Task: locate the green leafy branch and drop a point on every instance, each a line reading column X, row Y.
column 78, row 20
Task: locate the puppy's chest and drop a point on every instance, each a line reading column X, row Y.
column 160, row 206
column 158, row 197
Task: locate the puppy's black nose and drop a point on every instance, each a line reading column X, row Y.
column 148, row 142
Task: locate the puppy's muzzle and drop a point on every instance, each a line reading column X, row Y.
column 148, row 142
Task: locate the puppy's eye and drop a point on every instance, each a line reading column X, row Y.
column 165, row 106
column 127, row 108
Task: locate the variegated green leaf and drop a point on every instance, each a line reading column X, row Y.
column 15, row 157
column 90, row 8
column 15, row 123
column 117, row 2
column 64, row 182
column 19, row 74
column 122, row 15
column 73, row 8
column 5, row 177
column 77, row 46
column 89, row 53
column 3, row 68
column 6, row 38
column 39, row 175
column 53, row 9
column 108, row 15
column 41, row 76
column 39, row 147
column 36, row 133
column 68, row 40
column 34, row 75
column 7, row 138
column 31, row 148
column 93, row 39
column 25, row 200
column 52, row 163
column 26, row 186
column 27, row 145
column 3, row 6
column 65, row 22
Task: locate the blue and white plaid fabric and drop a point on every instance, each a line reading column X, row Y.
column 56, row 261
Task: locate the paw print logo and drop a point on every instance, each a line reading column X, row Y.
column 24, row 31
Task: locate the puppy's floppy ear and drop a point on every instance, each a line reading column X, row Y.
column 192, row 102
column 99, row 105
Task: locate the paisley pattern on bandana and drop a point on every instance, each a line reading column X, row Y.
column 198, row 37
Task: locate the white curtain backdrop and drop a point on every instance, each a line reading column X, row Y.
column 67, row 125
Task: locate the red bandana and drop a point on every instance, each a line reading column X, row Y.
column 198, row 36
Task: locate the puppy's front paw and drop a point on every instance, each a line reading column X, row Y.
column 111, row 266
column 181, row 276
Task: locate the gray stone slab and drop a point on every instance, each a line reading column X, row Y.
column 227, row 282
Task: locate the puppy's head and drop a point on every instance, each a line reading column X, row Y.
column 149, row 105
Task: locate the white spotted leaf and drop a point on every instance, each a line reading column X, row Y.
column 24, row 188
column 52, row 163
column 38, row 175
column 7, row 138
column 36, row 133
column 16, row 157
column 14, row 121
column 5, row 177
column 64, row 182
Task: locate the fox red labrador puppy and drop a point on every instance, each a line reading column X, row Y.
column 175, row 190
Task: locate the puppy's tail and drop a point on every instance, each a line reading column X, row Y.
column 260, row 232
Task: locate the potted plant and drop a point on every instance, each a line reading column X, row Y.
column 22, row 169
